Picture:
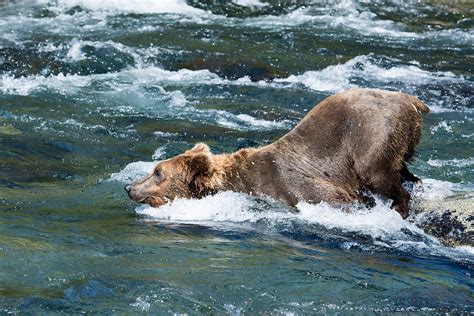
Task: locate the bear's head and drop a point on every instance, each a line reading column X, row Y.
column 192, row 174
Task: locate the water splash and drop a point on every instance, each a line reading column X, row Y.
column 143, row 6
column 251, row 3
column 339, row 77
column 385, row 227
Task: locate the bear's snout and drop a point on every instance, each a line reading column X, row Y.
column 132, row 193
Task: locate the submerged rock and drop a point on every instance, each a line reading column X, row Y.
column 233, row 68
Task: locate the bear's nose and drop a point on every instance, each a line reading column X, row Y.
column 128, row 188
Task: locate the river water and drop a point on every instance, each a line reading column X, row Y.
column 93, row 92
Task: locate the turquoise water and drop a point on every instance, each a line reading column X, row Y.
column 91, row 95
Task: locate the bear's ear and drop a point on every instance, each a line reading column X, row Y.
column 199, row 148
column 198, row 164
column 200, row 170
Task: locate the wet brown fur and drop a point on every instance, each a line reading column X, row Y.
column 352, row 142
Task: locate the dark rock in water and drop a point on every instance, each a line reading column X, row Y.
column 447, row 227
column 45, row 13
column 74, row 10
column 233, row 68
column 449, row 220
column 100, row 60
column 25, row 61
column 28, row 60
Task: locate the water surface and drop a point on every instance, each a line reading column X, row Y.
column 91, row 95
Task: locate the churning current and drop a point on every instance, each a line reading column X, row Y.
column 94, row 93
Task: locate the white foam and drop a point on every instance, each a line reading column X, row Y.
column 250, row 3
column 230, row 209
column 233, row 310
column 409, row 73
column 159, row 153
column 436, row 108
column 246, row 122
column 339, row 77
column 465, row 249
column 132, row 84
column 76, row 46
column 75, row 52
column 179, row 106
column 451, row 162
column 164, row 134
column 366, row 22
column 141, row 304
column 49, row 47
column 222, row 207
column 333, row 78
column 177, row 99
column 441, row 126
column 235, row 207
column 342, row 14
column 345, row 14
column 133, row 171
column 62, row 23
column 125, row 78
column 138, row 6
column 433, row 189
column 377, row 222
column 63, row 84
column 74, row 123
column 460, row 36
column 149, row 75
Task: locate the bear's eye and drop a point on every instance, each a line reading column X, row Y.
column 157, row 173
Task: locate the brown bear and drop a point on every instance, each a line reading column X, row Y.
column 352, row 142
